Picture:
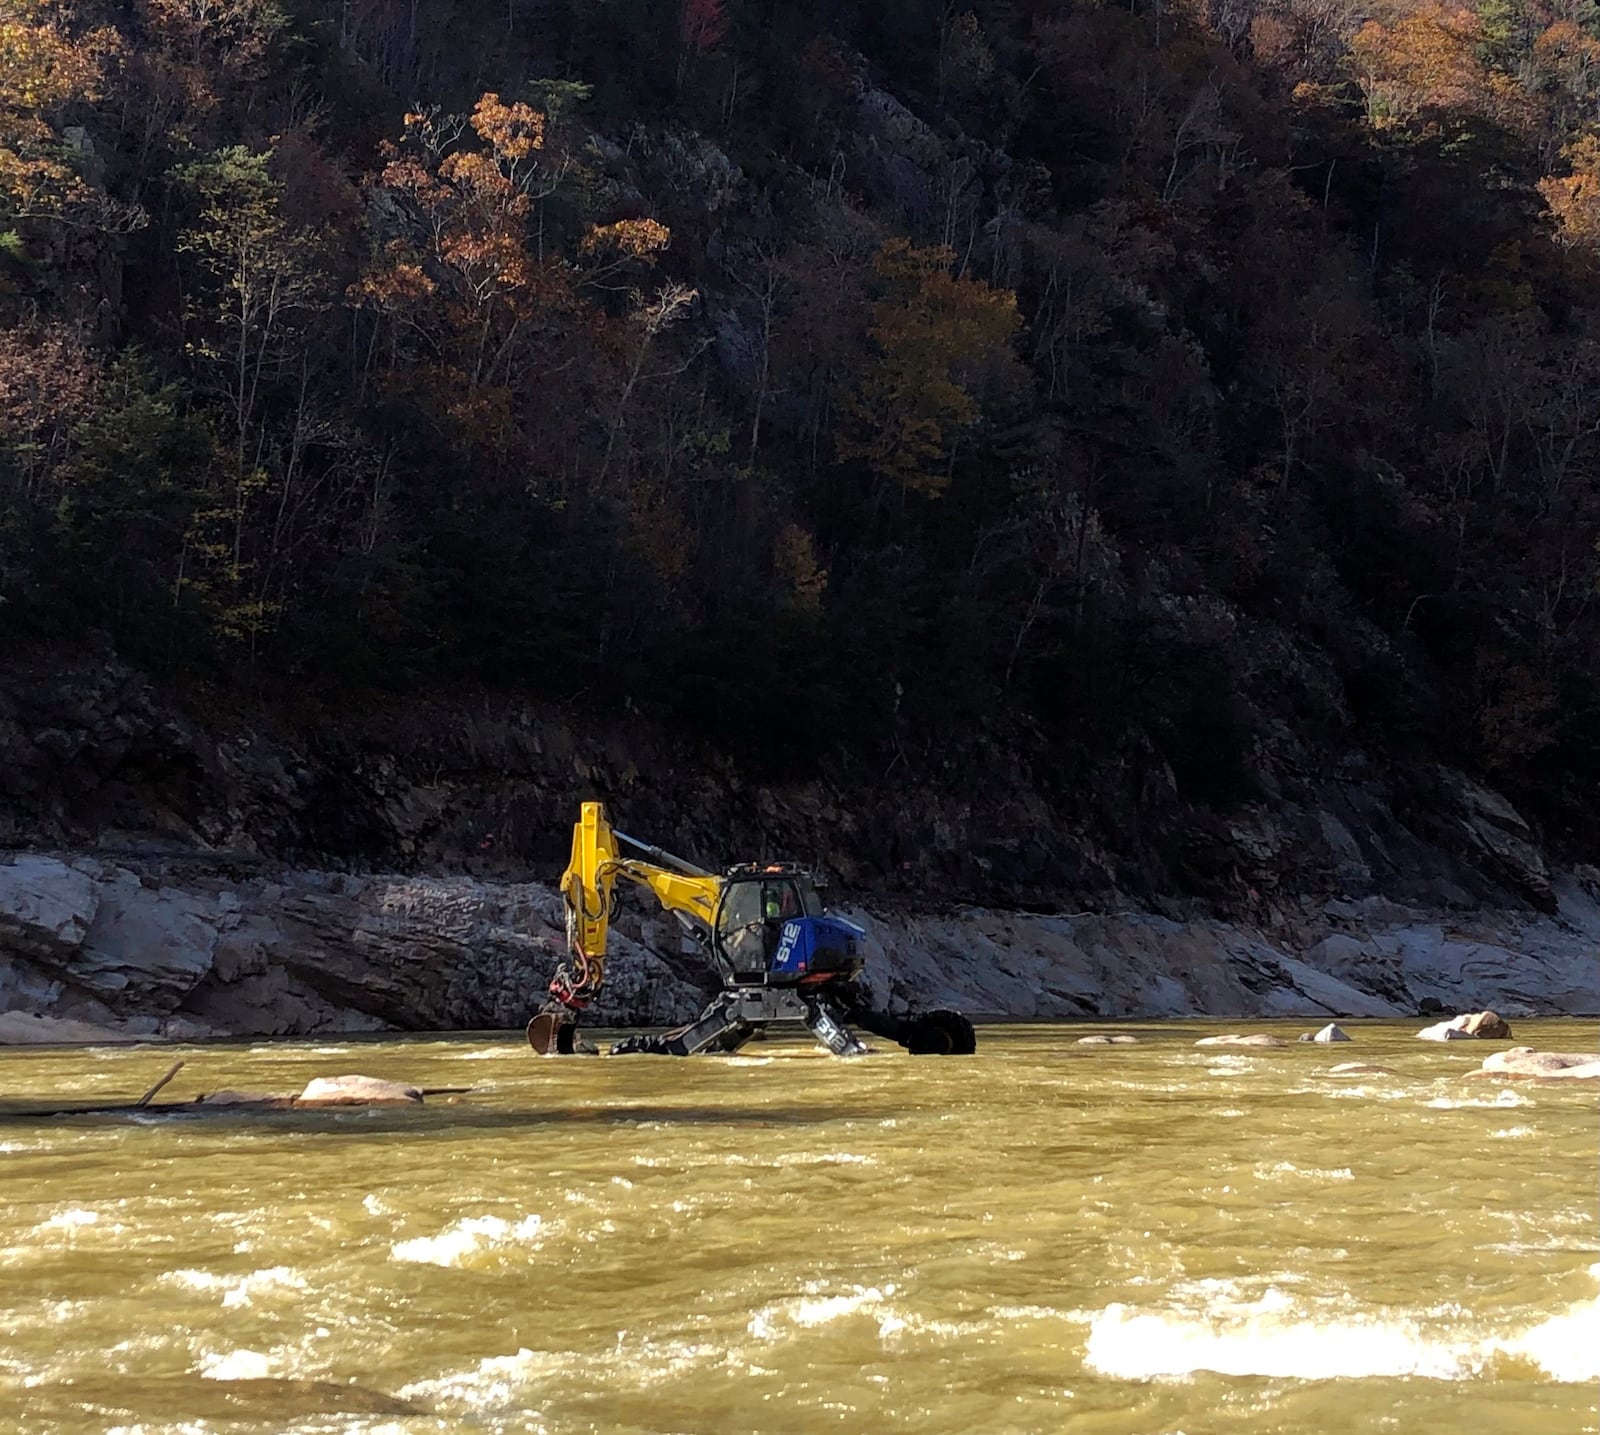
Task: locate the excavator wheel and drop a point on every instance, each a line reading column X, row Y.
column 553, row 1034
column 940, row 1033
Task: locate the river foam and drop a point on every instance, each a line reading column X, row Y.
column 1276, row 1337
column 457, row 1242
column 241, row 1291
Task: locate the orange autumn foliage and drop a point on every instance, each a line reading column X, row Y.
column 1424, row 66
column 1574, row 198
column 44, row 66
column 911, row 405
column 627, row 238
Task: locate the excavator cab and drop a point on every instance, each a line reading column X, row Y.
column 770, row 930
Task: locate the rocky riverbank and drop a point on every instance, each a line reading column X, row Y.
column 186, row 947
column 166, row 871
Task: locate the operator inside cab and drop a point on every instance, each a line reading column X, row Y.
column 752, row 919
column 779, row 904
column 780, row 901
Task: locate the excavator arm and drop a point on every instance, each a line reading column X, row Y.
column 588, row 887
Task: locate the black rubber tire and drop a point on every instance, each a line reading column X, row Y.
column 940, row 1033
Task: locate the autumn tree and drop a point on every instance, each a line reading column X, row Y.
column 49, row 380
column 648, row 319
column 1425, row 67
column 1574, row 197
column 1563, row 72
column 460, row 285
column 931, row 330
column 702, row 25
column 47, row 65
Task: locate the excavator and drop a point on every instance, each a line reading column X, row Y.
column 780, row 955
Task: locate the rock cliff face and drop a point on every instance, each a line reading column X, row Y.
column 94, row 759
column 185, row 950
column 181, row 949
column 177, row 877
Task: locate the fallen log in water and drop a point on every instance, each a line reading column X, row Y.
column 318, row 1094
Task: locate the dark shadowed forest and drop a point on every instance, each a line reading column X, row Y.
column 1199, row 391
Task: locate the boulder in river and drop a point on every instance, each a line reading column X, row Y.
column 1120, row 1039
column 1235, row 1039
column 1468, row 1025
column 1358, row 1068
column 357, row 1091
column 1332, row 1032
column 1524, row 1061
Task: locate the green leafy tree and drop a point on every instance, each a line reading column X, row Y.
column 257, row 279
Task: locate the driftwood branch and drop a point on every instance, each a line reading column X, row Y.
column 172, row 1071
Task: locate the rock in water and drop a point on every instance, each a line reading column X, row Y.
column 1101, row 1040
column 1468, row 1025
column 1234, row 1039
column 1560, row 1065
column 230, row 1097
column 1332, row 1032
column 1444, row 1031
column 1358, row 1068
column 357, row 1091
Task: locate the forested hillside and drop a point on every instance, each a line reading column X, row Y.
column 1195, row 393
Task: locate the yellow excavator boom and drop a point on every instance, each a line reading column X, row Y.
column 589, row 883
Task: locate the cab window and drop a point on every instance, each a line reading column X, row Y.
column 742, row 930
column 741, row 905
column 780, row 901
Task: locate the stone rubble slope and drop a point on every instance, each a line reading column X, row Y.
column 179, row 950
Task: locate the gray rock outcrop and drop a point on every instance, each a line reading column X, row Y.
column 190, row 953
column 185, row 947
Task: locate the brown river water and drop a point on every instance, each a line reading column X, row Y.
column 1126, row 1240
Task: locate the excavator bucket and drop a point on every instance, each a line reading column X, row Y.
column 553, row 1033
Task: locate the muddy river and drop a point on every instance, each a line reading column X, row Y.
column 1122, row 1240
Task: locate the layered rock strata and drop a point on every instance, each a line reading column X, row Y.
column 188, row 949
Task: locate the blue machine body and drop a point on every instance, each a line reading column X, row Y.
column 815, row 948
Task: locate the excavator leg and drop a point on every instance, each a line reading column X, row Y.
column 735, row 1015
column 939, row 1032
column 825, row 1025
column 718, row 1028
